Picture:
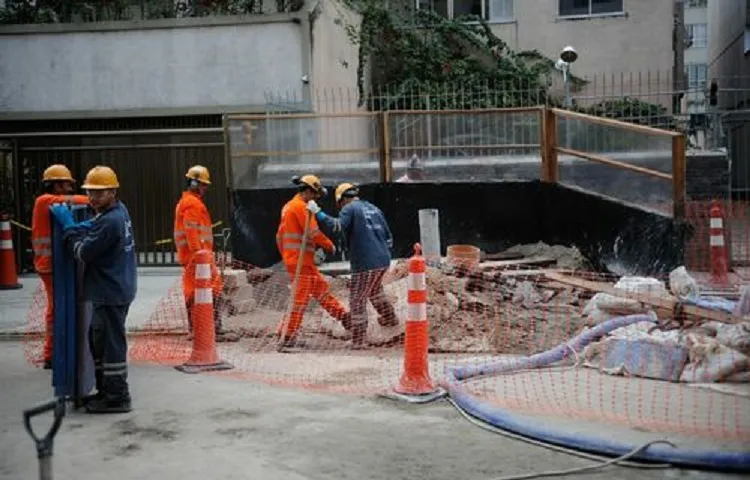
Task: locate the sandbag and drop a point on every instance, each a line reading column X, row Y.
column 682, row 284
column 717, row 366
column 642, row 285
column 615, row 305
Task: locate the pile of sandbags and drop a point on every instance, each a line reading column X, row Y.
column 710, row 352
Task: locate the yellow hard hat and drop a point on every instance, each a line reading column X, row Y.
column 100, row 178
column 312, row 182
column 199, row 173
column 57, row 173
column 344, row 188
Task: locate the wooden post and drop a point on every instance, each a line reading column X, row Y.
column 678, row 177
column 386, row 167
column 548, row 145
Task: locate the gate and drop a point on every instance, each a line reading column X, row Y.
column 150, row 163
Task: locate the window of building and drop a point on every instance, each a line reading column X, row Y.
column 699, row 34
column 582, row 8
column 697, row 3
column 490, row 10
column 697, row 74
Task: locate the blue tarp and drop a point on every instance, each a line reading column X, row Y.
column 72, row 365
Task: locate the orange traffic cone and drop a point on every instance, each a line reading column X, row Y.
column 8, row 273
column 717, row 246
column 204, row 357
column 416, row 385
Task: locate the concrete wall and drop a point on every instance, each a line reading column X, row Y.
column 638, row 41
column 727, row 56
column 119, row 67
column 335, row 61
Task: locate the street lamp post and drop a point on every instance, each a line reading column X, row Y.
column 568, row 55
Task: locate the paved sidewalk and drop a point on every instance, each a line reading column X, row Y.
column 153, row 285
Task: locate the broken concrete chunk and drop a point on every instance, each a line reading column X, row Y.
column 526, row 294
column 243, row 300
column 234, row 279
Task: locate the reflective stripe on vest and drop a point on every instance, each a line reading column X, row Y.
column 179, row 238
column 205, row 234
column 293, row 241
column 42, row 246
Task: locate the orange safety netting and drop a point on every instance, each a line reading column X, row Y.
column 682, row 371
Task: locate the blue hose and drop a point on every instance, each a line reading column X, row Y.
column 736, row 461
column 712, row 303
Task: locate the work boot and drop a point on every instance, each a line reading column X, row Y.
column 290, row 343
column 102, row 405
column 389, row 321
column 93, row 397
column 227, row 336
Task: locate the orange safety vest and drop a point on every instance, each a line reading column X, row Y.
column 192, row 227
column 41, row 228
column 289, row 234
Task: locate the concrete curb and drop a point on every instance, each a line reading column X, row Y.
column 17, row 335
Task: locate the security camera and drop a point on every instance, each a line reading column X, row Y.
column 305, row 79
column 568, row 54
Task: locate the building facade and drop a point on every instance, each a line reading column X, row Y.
column 729, row 69
column 626, row 47
column 696, row 55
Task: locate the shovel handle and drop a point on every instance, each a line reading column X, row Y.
column 44, row 444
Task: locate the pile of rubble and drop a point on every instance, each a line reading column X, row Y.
column 501, row 307
column 697, row 351
column 496, row 308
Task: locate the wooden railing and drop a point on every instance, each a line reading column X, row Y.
column 368, row 135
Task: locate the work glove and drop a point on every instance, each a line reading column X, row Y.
column 320, row 256
column 63, row 215
column 312, row 207
column 85, row 224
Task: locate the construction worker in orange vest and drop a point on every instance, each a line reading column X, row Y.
column 193, row 232
column 289, row 237
column 57, row 183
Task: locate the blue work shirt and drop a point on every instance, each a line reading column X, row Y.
column 366, row 233
column 108, row 250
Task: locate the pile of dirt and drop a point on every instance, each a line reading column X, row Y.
column 569, row 258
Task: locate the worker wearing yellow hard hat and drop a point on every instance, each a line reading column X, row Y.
column 58, row 184
column 369, row 240
column 298, row 238
column 193, row 232
column 106, row 244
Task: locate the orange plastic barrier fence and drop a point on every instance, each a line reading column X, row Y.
column 684, row 372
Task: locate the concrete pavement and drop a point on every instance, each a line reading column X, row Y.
column 204, row 426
